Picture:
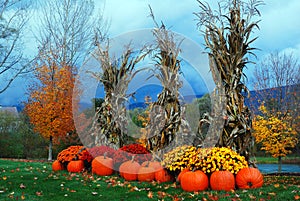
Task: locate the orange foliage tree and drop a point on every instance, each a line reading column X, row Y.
column 50, row 104
column 275, row 133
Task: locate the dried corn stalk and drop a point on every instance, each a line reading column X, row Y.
column 227, row 38
column 110, row 122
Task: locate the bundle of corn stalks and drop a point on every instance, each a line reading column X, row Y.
column 110, row 122
column 166, row 112
column 227, row 38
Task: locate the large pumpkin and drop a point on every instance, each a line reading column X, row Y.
column 162, row 175
column 146, row 173
column 102, row 165
column 222, row 180
column 57, row 165
column 155, row 164
column 194, row 181
column 75, row 166
column 181, row 173
column 129, row 170
column 249, row 178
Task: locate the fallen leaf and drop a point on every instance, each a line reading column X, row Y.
column 94, row 193
column 39, row 193
column 276, row 185
column 272, row 193
column 4, row 178
column 22, row 186
column 296, row 197
column 150, row 194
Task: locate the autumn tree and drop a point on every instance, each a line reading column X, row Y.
column 50, row 105
column 14, row 15
column 228, row 38
column 275, row 133
column 276, row 81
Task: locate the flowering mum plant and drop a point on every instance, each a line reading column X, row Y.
column 180, row 158
column 75, row 152
column 214, row 159
column 126, row 152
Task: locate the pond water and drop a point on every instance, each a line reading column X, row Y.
column 273, row 168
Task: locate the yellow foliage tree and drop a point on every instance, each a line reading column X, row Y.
column 275, row 133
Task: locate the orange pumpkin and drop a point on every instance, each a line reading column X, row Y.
column 181, row 173
column 155, row 164
column 75, row 166
column 163, row 175
column 129, row 170
column 102, row 165
column 146, row 173
column 222, row 180
column 249, row 178
column 194, row 181
column 57, row 165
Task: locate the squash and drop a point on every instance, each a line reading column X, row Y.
column 102, row 165
column 75, row 166
column 249, row 178
column 57, row 165
column 162, row 175
column 222, row 180
column 181, row 173
column 146, row 173
column 194, row 181
column 155, row 164
column 129, row 170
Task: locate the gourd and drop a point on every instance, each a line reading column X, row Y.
column 56, row 166
column 146, row 173
column 194, row 181
column 102, row 165
column 75, row 166
column 162, row 175
column 249, row 178
column 129, row 170
column 222, row 180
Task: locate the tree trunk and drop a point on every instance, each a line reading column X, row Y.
column 279, row 164
column 50, row 149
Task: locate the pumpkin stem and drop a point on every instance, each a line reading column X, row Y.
column 250, row 184
column 132, row 159
column 104, row 155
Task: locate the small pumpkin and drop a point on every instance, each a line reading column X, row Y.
column 146, row 173
column 163, row 175
column 75, row 166
column 129, row 170
column 102, row 165
column 222, row 180
column 194, row 181
column 249, row 178
column 57, row 166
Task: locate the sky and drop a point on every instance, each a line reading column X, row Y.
column 279, row 30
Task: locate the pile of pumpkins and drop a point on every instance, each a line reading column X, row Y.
column 197, row 180
column 152, row 170
column 131, row 170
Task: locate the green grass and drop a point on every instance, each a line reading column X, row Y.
column 36, row 181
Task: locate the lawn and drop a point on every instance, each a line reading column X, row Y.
column 36, row 181
column 272, row 160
